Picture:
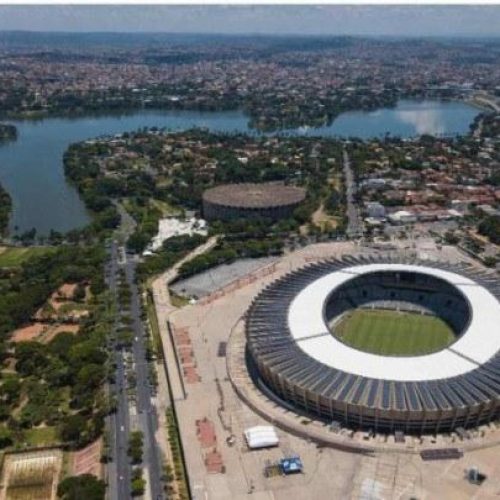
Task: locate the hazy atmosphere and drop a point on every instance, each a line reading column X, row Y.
column 324, row 20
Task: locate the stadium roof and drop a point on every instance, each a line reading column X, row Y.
column 479, row 342
column 304, row 364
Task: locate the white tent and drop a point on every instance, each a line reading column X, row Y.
column 261, row 436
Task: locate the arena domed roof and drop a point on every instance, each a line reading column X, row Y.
column 249, row 195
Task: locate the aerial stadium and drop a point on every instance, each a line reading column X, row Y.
column 269, row 200
column 381, row 343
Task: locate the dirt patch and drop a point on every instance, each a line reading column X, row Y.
column 54, row 330
column 29, row 332
column 62, row 295
column 66, row 291
column 322, row 220
column 63, row 298
column 42, row 332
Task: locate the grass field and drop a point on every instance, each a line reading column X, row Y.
column 41, row 436
column 15, row 256
column 393, row 333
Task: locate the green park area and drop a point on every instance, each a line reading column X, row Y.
column 15, row 256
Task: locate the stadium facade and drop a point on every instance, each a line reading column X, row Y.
column 298, row 358
column 240, row 201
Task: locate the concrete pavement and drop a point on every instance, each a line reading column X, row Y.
column 164, row 308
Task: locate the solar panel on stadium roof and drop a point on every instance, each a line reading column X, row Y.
column 332, row 385
column 347, row 387
column 386, row 394
column 426, row 398
column 464, row 395
column 372, row 395
column 492, row 380
column 399, row 393
column 451, row 396
column 359, row 390
column 479, row 387
column 412, row 396
column 314, row 373
column 438, row 396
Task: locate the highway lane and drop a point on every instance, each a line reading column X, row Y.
column 147, row 419
column 354, row 224
column 119, row 470
column 146, row 412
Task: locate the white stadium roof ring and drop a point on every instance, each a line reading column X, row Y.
column 475, row 346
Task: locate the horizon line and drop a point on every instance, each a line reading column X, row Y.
column 256, row 34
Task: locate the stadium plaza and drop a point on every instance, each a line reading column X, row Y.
column 229, row 398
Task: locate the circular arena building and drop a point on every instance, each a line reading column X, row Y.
column 381, row 344
column 237, row 201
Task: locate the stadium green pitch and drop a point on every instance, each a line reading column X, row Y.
column 393, row 333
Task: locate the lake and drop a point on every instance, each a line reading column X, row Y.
column 31, row 168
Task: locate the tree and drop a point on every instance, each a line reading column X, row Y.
column 5, row 437
column 490, row 227
column 86, row 487
column 10, row 390
column 79, row 293
column 138, row 484
column 135, row 447
column 451, row 238
column 30, row 358
column 138, row 241
column 490, row 261
column 73, row 429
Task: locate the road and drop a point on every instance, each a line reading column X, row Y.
column 354, row 223
column 147, row 418
column 119, row 470
column 119, row 424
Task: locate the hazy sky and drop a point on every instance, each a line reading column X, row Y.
column 326, row 19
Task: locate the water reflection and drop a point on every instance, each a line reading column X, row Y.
column 424, row 121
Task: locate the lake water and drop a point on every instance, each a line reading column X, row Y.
column 32, row 172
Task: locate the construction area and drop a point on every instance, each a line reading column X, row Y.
column 216, row 403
